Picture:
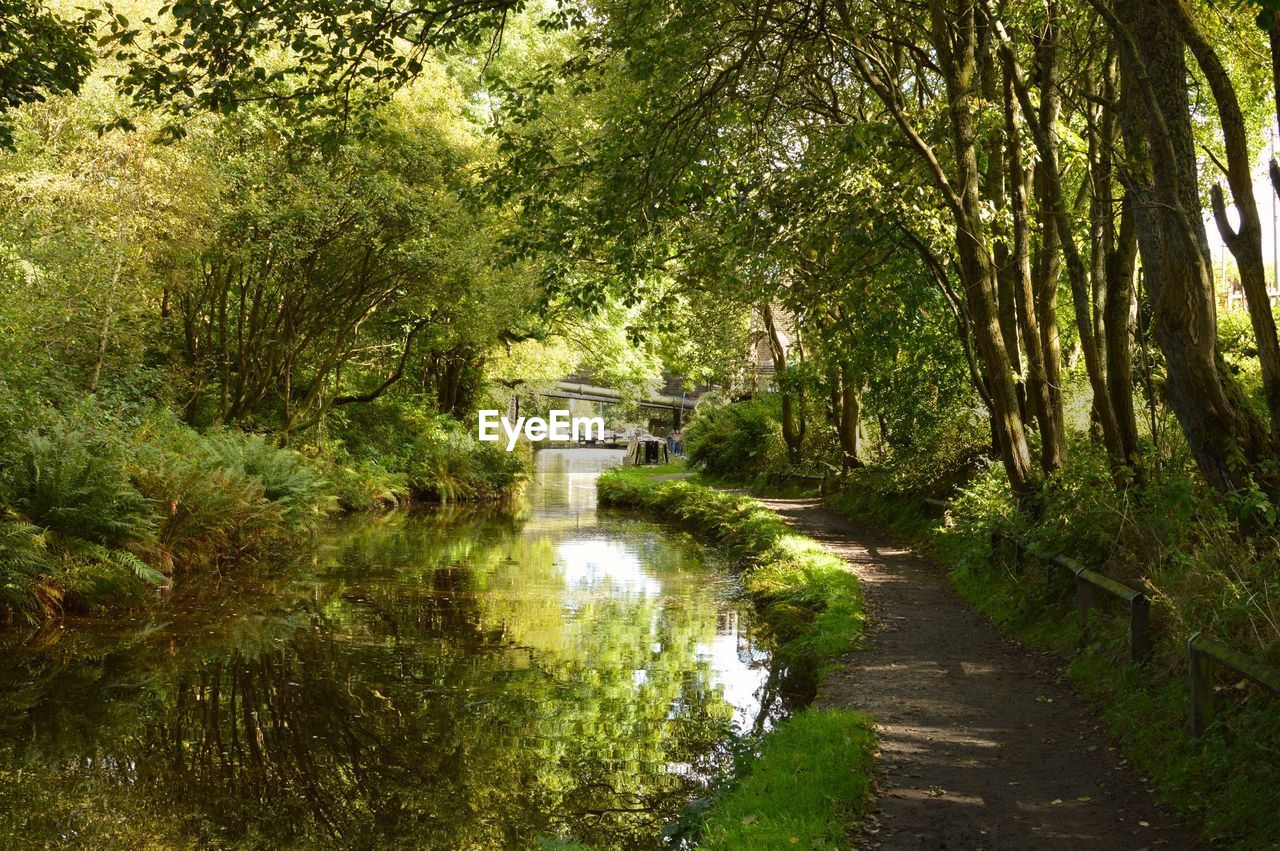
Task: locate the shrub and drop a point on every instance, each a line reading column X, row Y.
column 25, row 568
column 366, row 485
column 289, row 479
column 741, row 440
column 449, row 464
column 394, row 448
column 207, row 511
column 72, row 482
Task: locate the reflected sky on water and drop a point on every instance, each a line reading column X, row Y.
column 456, row 678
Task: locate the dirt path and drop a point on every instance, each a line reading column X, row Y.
column 982, row 745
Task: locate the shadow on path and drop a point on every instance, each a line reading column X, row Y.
column 981, row 746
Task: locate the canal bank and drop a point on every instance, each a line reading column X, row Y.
column 808, row 784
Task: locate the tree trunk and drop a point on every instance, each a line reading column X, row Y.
column 1226, row 441
column 100, row 353
column 958, row 63
column 792, row 434
column 1038, row 391
column 850, row 420
column 1076, row 272
column 1046, row 268
column 104, row 332
column 1246, row 242
column 1118, row 325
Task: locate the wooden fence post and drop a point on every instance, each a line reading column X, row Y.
column 1140, row 628
column 1084, row 602
column 1201, row 688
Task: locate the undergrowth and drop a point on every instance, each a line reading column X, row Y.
column 99, row 510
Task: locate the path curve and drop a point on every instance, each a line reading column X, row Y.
column 982, row 744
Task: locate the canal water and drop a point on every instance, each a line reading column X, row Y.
column 453, row 679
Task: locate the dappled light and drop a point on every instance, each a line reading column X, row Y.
column 599, row 424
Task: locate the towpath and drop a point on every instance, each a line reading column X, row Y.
column 982, row 744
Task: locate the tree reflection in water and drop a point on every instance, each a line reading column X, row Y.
column 454, row 680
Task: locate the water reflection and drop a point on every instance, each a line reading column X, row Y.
column 460, row 679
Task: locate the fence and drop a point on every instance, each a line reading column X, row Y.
column 1202, row 653
column 1089, row 581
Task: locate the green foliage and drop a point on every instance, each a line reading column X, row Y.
column 738, row 441
column 212, row 504
column 251, row 275
column 205, row 56
column 25, row 563
column 805, row 790
column 389, row 451
column 105, row 512
column 290, row 481
column 447, row 463
column 40, row 54
column 366, row 485
column 73, row 482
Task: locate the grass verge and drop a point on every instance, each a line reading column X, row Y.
column 812, row 775
column 805, row 789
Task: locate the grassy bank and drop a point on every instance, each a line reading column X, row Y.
column 812, row 774
column 1203, row 573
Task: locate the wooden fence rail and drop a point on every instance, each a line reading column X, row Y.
column 1203, row 653
column 1088, row 582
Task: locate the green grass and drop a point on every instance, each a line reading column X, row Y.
column 673, row 468
column 804, row 791
column 812, row 776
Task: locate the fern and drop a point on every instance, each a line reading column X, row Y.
column 288, row 478
column 25, row 565
column 76, row 485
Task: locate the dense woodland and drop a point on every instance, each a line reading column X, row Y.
column 261, row 261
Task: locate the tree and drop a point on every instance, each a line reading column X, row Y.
column 40, row 54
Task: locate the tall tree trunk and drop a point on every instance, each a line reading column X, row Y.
column 1046, row 267
column 1076, row 272
column 104, row 331
column 100, row 352
column 1038, row 393
column 958, row 62
column 1118, row 325
column 792, row 433
column 1245, row 242
column 1226, row 441
column 1118, row 251
column 850, row 419
column 995, row 193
